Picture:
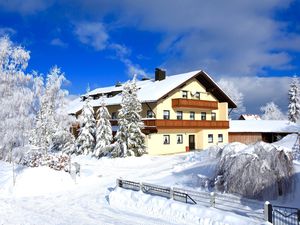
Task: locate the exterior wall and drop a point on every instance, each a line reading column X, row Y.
column 246, row 138
column 155, row 145
column 191, row 86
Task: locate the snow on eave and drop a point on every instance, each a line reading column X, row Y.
column 263, row 126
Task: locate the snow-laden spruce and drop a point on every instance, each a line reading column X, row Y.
column 104, row 135
column 261, row 171
column 129, row 135
column 86, row 138
column 294, row 101
column 272, row 112
column 52, row 122
column 16, row 97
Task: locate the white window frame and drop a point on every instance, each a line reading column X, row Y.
column 184, row 94
column 179, row 115
column 210, row 138
column 220, row 138
column 201, row 114
column 167, row 115
column 192, row 113
column 215, row 116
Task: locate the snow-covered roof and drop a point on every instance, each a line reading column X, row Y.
column 151, row 90
column 250, row 117
column 263, row 126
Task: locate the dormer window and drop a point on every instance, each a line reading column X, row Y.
column 184, row 94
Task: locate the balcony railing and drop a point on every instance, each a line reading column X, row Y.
column 186, row 124
column 193, row 103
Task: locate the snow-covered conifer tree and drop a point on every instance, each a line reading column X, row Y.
column 16, row 97
column 129, row 135
column 271, row 112
column 103, row 131
column 50, row 120
column 86, row 138
column 294, row 101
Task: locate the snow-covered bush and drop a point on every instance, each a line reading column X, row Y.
column 129, row 135
column 86, row 138
column 259, row 171
column 54, row 161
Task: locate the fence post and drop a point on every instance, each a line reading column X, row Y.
column 268, row 211
column 212, row 199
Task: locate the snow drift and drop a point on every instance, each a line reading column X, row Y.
column 261, row 171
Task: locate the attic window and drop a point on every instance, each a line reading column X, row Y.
column 197, row 95
column 184, row 94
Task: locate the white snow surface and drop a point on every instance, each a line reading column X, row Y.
column 264, row 126
column 44, row 196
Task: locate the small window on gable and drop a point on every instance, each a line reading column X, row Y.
column 213, row 116
column 179, row 138
column 166, row 114
column 210, row 138
column 184, row 94
column 166, row 139
column 203, row 115
column 197, row 95
column 179, row 115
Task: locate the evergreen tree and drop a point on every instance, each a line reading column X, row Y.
column 86, row 138
column 129, row 136
column 103, row 131
column 294, row 101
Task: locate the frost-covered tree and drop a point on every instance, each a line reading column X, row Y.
column 16, row 97
column 230, row 89
column 129, row 135
column 271, row 112
column 104, row 135
column 51, row 120
column 86, row 138
column 294, row 101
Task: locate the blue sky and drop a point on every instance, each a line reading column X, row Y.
column 101, row 42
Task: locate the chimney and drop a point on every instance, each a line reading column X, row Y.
column 160, row 74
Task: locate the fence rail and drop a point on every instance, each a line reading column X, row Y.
column 224, row 202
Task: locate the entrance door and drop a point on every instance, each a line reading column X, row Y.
column 192, row 142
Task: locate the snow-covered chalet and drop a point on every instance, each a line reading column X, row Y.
column 181, row 112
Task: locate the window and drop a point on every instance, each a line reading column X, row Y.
column 179, row 138
column 179, row 115
column 150, row 114
column 166, row 114
column 220, row 138
column 192, row 115
column 114, row 115
column 210, row 138
column 184, row 94
column 213, row 116
column 197, row 95
column 166, row 139
column 203, row 116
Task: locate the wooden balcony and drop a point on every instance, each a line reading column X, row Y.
column 186, row 124
column 194, row 103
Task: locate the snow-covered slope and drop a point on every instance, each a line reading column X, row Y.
column 44, row 196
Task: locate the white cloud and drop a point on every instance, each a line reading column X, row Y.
column 92, row 34
column 258, row 91
column 58, row 42
column 25, row 7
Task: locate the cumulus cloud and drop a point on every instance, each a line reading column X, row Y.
column 92, row 34
column 258, row 91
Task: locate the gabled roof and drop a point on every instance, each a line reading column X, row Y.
column 263, row 126
column 152, row 91
column 249, row 117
